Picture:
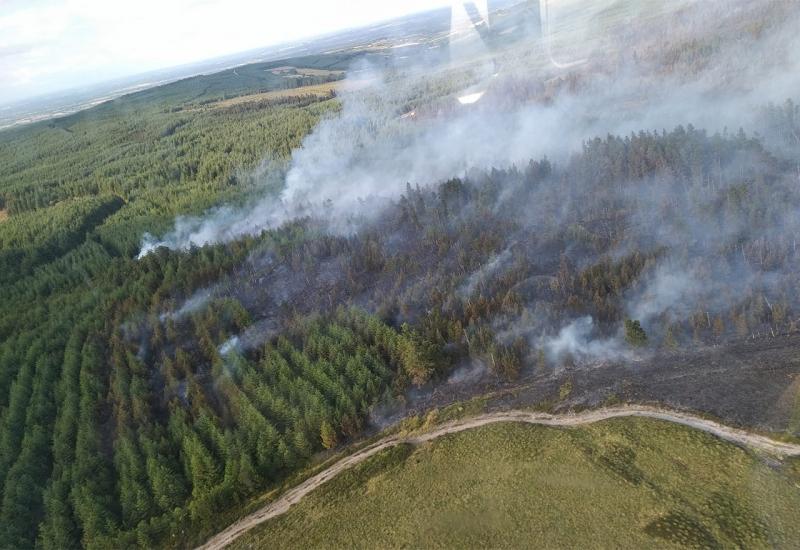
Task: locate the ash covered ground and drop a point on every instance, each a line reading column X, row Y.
column 753, row 384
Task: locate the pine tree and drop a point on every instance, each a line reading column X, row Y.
column 635, row 334
column 328, row 435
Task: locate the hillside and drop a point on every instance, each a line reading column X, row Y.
column 209, row 286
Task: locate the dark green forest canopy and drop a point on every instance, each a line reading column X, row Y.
column 141, row 399
column 76, row 193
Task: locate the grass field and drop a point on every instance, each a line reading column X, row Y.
column 288, row 70
column 319, row 90
column 622, row 483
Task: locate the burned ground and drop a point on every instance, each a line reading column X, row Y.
column 754, row 384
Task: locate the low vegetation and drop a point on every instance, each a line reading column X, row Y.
column 628, row 482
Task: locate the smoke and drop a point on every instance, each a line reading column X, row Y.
column 256, row 334
column 354, row 162
column 709, row 64
column 229, row 346
column 579, row 341
column 667, row 291
column 251, row 338
column 489, row 270
column 469, row 374
column 197, row 302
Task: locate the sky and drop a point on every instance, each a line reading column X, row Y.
column 51, row 45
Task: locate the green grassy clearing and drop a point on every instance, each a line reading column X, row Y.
column 628, row 482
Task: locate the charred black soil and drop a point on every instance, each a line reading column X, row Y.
column 754, row 384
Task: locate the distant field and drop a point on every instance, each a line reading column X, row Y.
column 628, row 482
column 319, row 90
column 289, row 71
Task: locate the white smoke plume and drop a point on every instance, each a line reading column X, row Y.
column 195, row 303
column 355, row 161
column 470, row 373
column 495, row 265
column 578, row 340
column 229, row 346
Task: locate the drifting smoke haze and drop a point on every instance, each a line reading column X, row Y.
column 366, row 154
column 486, row 272
column 468, row 374
column 358, row 162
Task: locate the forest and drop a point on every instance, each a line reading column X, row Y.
column 187, row 381
column 141, row 399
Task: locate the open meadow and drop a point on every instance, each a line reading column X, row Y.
column 633, row 483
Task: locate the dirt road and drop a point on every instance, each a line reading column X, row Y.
column 282, row 504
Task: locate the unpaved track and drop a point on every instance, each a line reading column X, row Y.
column 282, row 504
